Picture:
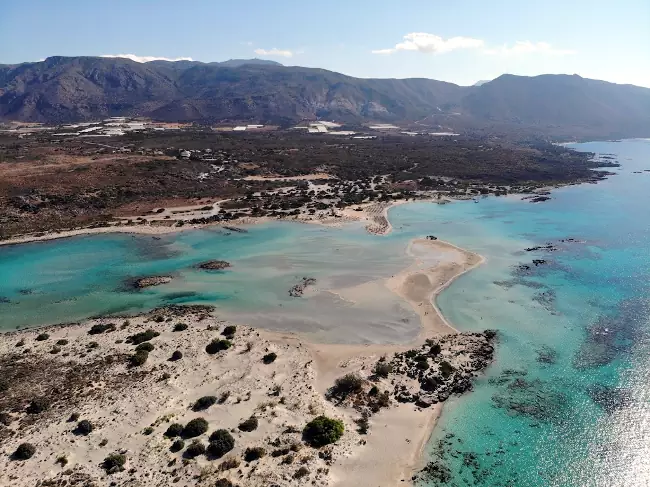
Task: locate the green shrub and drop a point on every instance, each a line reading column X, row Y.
column 174, row 430
column 229, row 464
column 92, row 345
column 25, row 451
column 374, row 390
column 217, row 345
column 229, row 331
column 84, row 427
column 138, row 358
column 159, row 318
column 249, row 425
column 204, row 402
column 269, row 358
column 221, row 442
column 180, row 327
column 42, row 337
column 254, row 453
column 224, row 483
column 435, row 349
column 63, row 341
column 146, row 346
column 194, row 449
column 446, row 369
column 114, row 463
column 101, row 328
column 147, row 431
column 195, row 427
column 143, row 336
column 177, row 446
column 55, row 350
column 177, row 355
column 73, row 417
column 38, row 405
column 322, row 431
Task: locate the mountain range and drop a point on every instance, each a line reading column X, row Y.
column 67, row 89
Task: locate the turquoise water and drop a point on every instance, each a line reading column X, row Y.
column 566, row 402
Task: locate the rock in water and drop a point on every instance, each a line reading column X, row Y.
column 297, row 290
column 214, row 265
column 151, row 281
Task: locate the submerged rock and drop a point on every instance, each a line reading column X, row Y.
column 214, row 265
column 298, row 290
column 149, row 281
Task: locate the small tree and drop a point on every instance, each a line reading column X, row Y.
column 174, row 430
column 322, row 431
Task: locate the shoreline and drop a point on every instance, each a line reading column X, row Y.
column 418, row 285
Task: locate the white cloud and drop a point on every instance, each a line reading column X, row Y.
column 527, row 47
column 431, row 43
column 273, row 52
column 146, row 59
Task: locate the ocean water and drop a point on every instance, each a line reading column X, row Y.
column 566, row 402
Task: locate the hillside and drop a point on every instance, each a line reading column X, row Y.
column 62, row 89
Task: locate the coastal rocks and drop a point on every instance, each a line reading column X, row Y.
column 532, row 398
column 236, row 229
column 299, row 289
column 144, row 282
column 214, row 265
column 548, row 248
column 432, row 237
column 609, row 398
column 540, row 199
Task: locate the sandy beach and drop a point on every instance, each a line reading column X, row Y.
column 132, row 407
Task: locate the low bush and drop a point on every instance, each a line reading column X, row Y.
column 174, row 430
column 159, row 318
column 42, row 337
column 249, row 425
column 143, row 336
column 84, row 427
column 435, row 349
column 177, row 355
column 204, row 402
column 38, row 405
column 138, row 358
column 301, row 472
column 55, row 350
column 322, row 431
column 229, row 464
column 269, row 358
column 147, row 431
column 346, row 385
column 180, row 327
column 25, row 451
column 382, row 369
column 146, row 346
column 101, row 328
column 223, row 483
column 73, row 417
column 63, row 341
column 229, row 331
column 114, row 463
column 177, row 446
column 216, row 346
column 194, row 449
column 195, row 427
column 254, row 453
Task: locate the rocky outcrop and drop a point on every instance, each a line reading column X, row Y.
column 214, row 265
column 149, row 281
column 298, row 290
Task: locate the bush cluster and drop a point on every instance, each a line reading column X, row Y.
column 174, row 430
column 194, row 449
column 138, row 358
column 221, row 442
column 204, row 402
column 195, row 427
column 101, row 328
column 143, row 336
column 216, row 346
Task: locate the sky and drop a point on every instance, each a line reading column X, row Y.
column 463, row 41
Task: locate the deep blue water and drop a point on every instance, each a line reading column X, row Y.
column 566, row 402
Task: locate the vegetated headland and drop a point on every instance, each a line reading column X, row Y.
column 180, row 176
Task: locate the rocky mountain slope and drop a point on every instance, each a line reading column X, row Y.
column 65, row 89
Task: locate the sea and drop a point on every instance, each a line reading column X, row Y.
column 566, row 401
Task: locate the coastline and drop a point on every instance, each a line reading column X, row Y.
column 410, row 426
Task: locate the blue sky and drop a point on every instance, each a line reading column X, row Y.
column 461, row 41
